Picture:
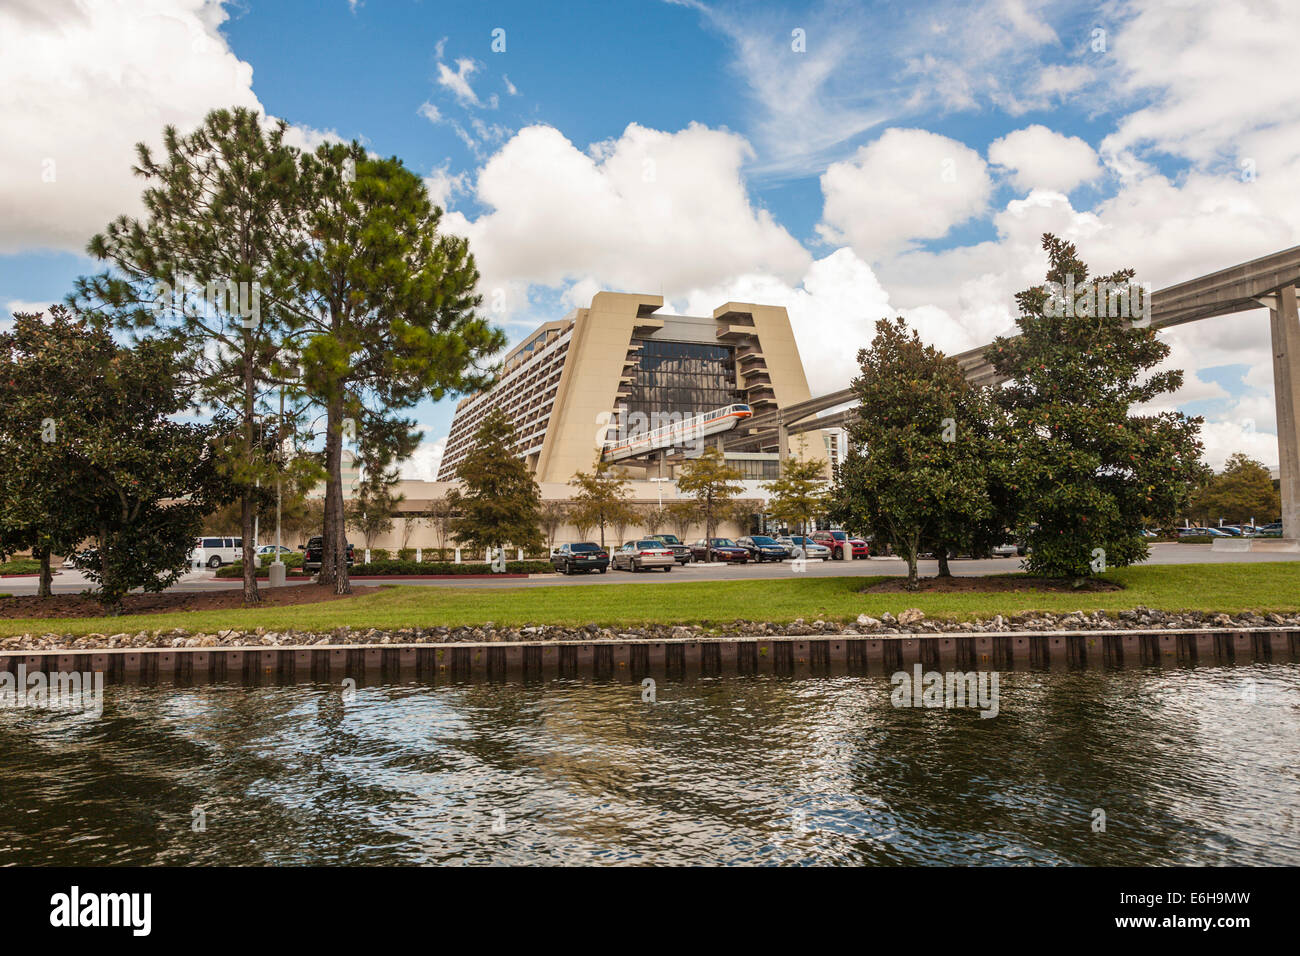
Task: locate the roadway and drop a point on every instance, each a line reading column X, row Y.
column 71, row 581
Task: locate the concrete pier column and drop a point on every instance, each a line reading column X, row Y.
column 1284, row 324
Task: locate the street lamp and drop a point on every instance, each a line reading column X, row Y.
column 660, row 483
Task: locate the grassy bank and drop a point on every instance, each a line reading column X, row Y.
column 1209, row 587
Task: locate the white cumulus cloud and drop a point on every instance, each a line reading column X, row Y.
column 1038, row 157
column 908, row 185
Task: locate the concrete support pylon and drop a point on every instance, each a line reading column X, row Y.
column 1284, row 324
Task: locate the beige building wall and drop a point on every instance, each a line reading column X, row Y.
column 591, row 380
column 782, row 363
column 644, row 494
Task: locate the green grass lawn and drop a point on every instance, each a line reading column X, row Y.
column 1271, row 586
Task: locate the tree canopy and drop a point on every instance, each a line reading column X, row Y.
column 1242, row 492
column 711, row 482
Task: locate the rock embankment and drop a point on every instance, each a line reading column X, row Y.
column 910, row 621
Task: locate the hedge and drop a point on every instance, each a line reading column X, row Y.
column 448, row 567
column 236, row 570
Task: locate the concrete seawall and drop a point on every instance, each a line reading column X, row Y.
column 672, row 659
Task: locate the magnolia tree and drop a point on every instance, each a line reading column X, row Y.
column 93, row 451
column 1086, row 469
column 923, row 467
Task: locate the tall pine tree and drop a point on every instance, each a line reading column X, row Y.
column 384, row 316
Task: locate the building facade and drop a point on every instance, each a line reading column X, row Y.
column 620, row 369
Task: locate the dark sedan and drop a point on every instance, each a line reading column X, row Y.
column 719, row 549
column 583, row 556
column 762, row 548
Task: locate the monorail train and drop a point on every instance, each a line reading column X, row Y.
column 667, row 436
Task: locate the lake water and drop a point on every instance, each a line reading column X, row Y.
column 1194, row 765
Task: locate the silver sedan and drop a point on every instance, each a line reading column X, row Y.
column 642, row 554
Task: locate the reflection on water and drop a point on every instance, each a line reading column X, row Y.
column 1190, row 766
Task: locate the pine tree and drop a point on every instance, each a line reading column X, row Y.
column 385, row 315
column 205, row 271
column 500, row 502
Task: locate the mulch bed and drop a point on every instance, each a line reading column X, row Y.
column 990, row 585
column 77, row 605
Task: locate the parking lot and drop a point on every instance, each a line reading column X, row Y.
column 71, row 581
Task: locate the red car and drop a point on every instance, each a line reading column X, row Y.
column 839, row 542
column 719, row 549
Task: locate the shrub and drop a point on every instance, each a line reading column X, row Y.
column 377, row 555
column 405, row 554
column 292, row 562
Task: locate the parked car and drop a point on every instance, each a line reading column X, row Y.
column 1193, row 532
column 314, row 552
column 644, row 553
column 1271, row 530
column 681, row 551
column 268, row 550
column 762, row 548
column 839, row 543
column 719, row 549
column 1231, row 529
column 583, row 556
column 802, row 546
column 214, row 552
column 1008, row 549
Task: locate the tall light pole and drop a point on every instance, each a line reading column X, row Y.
column 660, row 483
column 276, row 573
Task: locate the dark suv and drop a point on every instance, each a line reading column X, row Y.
column 312, row 554
column 681, row 552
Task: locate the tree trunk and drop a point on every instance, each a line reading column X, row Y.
column 45, row 588
column 334, row 544
column 247, row 506
column 942, row 554
column 912, row 583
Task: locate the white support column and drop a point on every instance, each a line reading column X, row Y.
column 1284, row 324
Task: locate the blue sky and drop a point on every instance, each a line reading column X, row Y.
column 845, row 160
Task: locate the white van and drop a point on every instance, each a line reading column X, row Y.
column 214, row 552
